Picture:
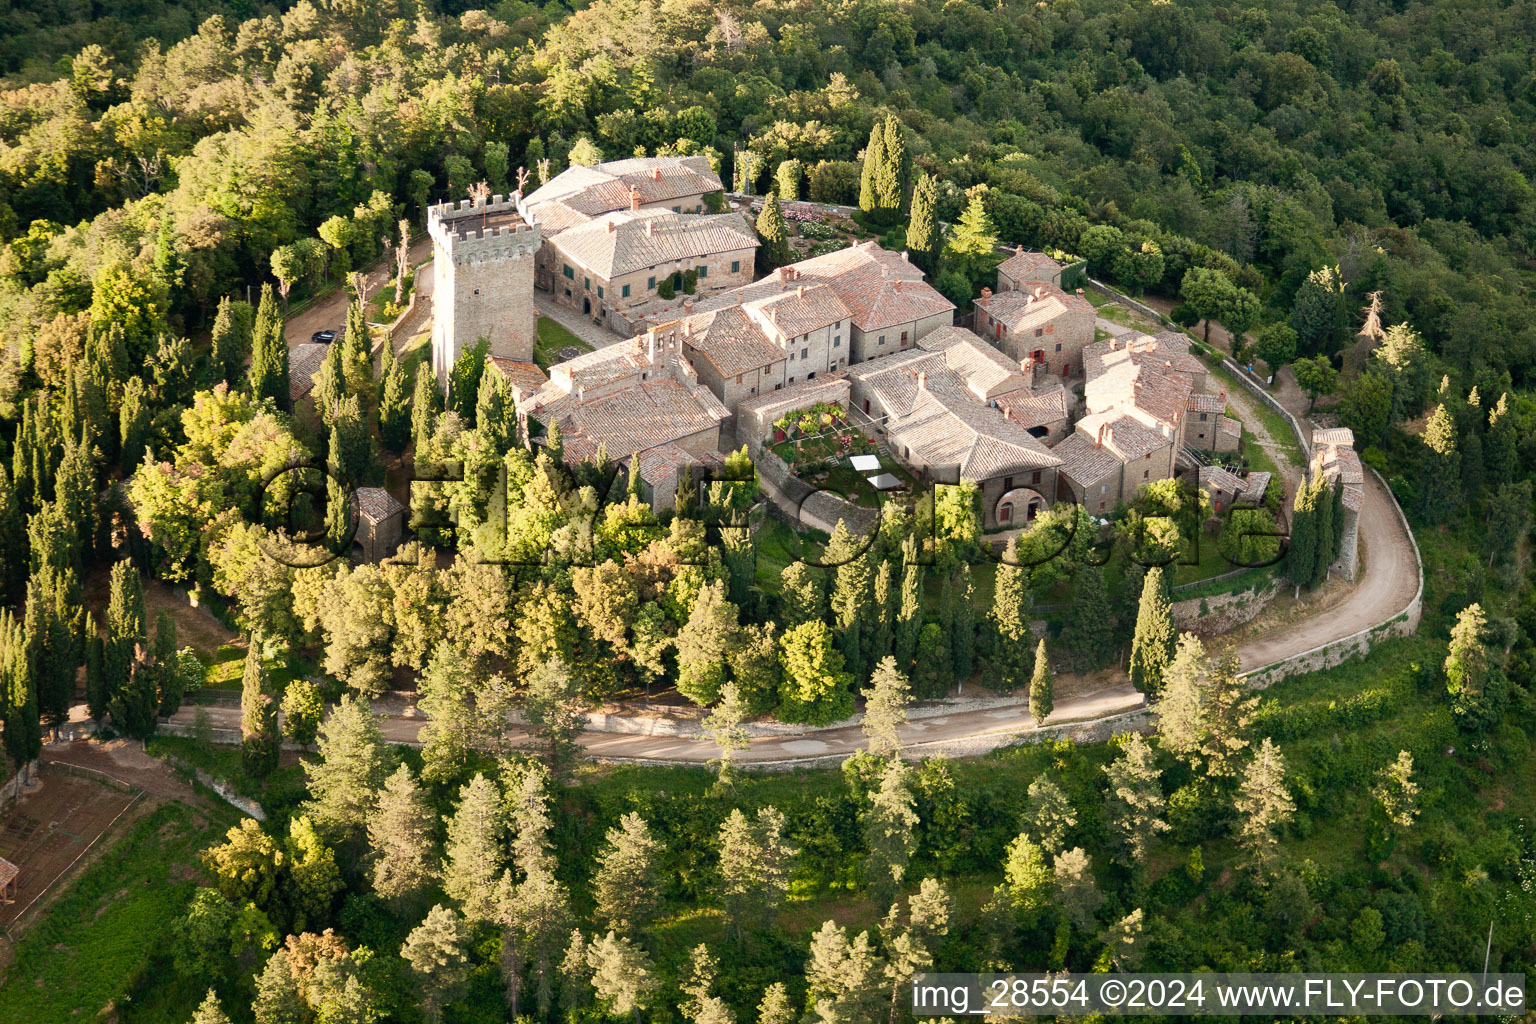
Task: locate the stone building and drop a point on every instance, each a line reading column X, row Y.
column 936, row 406
column 1024, row 269
column 380, row 523
column 1041, row 323
column 483, row 263
column 620, row 259
column 1207, row 426
column 1334, row 456
column 628, row 399
column 579, row 194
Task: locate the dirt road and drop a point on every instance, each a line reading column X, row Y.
column 330, row 313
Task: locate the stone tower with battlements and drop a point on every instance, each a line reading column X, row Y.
column 483, row 262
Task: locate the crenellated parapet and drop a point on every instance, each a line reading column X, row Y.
column 466, row 231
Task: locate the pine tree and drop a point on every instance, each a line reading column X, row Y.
column 260, row 742
column 1396, row 793
column 1026, row 874
column 623, row 977
column 1501, row 453
column 1266, row 806
column 889, row 833
column 400, row 836
column 1439, row 468
column 1042, row 687
column 909, row 614
column 575, row 975
column 802, row 595
column 737, row 889
column 704, row 644
column 1077, row 895
column 723, row 726
column 1135, row 801
column 923, row 228
column 349, row 771
column 209, row 1011
column 885, row 708
column 625, row 887
column 552, row 707
column 1049, row 815
column 1181, row 713
column 972, row 245
column 776, row 1007
column 1089, row 636
column 472, row 860
column 436, row 953
column 773, row 233
column 426, row 403
column 1152, row 646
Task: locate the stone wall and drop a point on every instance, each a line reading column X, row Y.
column 1219, row 613
column 805, row 506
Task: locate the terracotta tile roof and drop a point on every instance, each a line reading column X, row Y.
column 8, row 872
column 375, row 504
column 606, row 187
column 1026, row 310
column 802, row 310
column 930, row 409
column 644, row 415
column 730, row 341
column 304, row 361
column 1255, row 486
column 1219, row 478
column 1343, row 462
column 879, row 287
column 1030, row 266
column 1084, row 462
column 987, row 372
column 1228, row 425
column 1162, row 394
column 627, row 241
column 662, row 463
column 1204, row 401
column 1039, row 406
column 525, row 378
column 1127, row 436
column 1341, row 436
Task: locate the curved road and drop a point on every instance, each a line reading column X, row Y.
column 1388, row 580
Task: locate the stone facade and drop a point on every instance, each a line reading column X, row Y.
column 1045, row 325
column 483, row 267
column 874, row 343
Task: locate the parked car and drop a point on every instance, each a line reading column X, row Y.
column 326, row 337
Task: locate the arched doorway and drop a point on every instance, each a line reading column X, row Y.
column 1019, row 506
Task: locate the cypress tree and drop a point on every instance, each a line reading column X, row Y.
column 269, row 368
column 636, row 488
column 1439, row 468
column 923, row 227
column 962, row 637
column 260, row 743
column 23, row 734
column 426, row 403
column 231, row 344
column 1322, row 505
column 357, row 354
column 1011, row 600
column 394, row 408
column 1042, row 687
column 1301, row 559
column 909, row 614
column 15, row 553
column 874, row 161
column 1152, row 646
column 773, row 233
column 850, row 600
column 126, row 629
column 97, row 699
column 890, row 175
column 133, row 425
column 1090, row 633
column 1501, row 452
column 1336, row 544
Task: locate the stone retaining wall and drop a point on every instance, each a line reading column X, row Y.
column 1220, row 613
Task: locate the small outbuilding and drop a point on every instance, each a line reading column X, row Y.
column 380, row 523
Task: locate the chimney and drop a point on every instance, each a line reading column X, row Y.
column 655, row 173
column 885, row 272
column 1168, row 363
column 896, row 284
column 922, row 380
column 650, row 348
column 1114, row 344
column 1018, row 250
column 786, row 274
column 634, row 198
column 986, row 293
column 906, row 257
column 800, row 291
column 650, row 228
column 1223, row 394
column 773, row 314
column 634, row 344
column 688, row 308
column 1098, row 442
column 1007, row 414
column 1079, row 293
column 611, row 227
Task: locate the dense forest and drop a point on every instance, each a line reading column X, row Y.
column 172, row 176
